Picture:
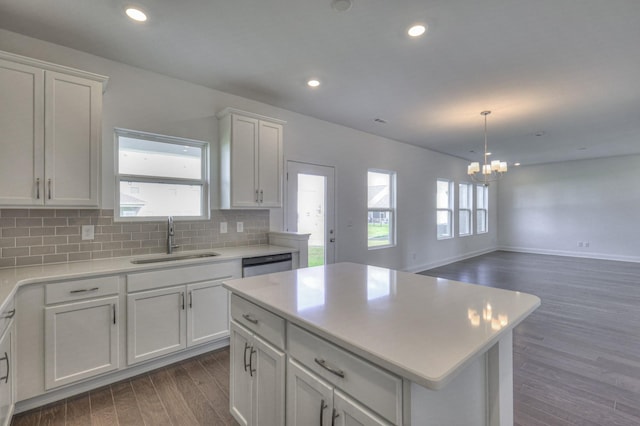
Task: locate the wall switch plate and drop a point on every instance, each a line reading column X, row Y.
column 223, row 227
column 88, row 232
column 240, row 226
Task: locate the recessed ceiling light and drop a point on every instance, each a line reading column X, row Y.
column 136, row 14
column 313, row 83
column 516, row 164
column 341, row 5
column 417, row 30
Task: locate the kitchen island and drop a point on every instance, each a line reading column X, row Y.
column 368, row 345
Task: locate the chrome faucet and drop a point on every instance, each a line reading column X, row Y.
column 170, row 235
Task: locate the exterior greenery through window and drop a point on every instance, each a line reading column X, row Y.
column 381, row 204
column 159, row 176
column 482, row 209
column 444, row 206
column 465, row 209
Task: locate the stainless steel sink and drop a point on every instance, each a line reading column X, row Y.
column 172, row 258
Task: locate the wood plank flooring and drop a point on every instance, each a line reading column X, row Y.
column 191, row 392
column 577, row 358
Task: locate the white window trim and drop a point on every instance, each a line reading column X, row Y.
column 470, row 202
column 450, row 210
column 393, row 209
column 482, row 188
column 204, row 181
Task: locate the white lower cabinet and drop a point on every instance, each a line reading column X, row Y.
column 155, row 323
column 167, row 320
column 6, row 376
column 257, row 391
column 81, row 340
column 313, row 401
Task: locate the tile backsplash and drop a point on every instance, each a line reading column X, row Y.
column 39, row 236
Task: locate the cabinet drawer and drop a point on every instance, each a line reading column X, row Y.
column 182, row 275
column 80, row 289
column 258, row 320
column 372, row 386
column 7, row 314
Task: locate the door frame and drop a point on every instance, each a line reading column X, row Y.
column 286, row 211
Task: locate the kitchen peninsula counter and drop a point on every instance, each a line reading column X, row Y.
column 445, row 339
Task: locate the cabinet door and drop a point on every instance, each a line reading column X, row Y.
column 208, row 312
column 270, row 164
column 81, row 340
column 309, row 398
column 155, row 323
column 349, row 413
column 73, row 110
column 22, row 135
column 268, row 383
column 7, row 365
column 244, row 138
column 240, row 386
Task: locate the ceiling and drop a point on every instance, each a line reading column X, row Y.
column 561, row 76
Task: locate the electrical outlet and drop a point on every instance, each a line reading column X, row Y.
column 580, row 244
column 586, row 243
column 88, row 232
column 223, row 227
column 240, row 227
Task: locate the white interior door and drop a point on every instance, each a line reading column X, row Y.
column 311, row 208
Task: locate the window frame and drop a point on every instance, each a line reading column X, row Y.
column 470, row 210
column 392, row 210
column 449, row 210
column 203, row 182
column 482, row 190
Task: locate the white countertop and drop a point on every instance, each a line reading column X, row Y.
column 422, row 328
column 12, row 278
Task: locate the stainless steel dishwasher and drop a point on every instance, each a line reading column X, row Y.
column 252, row 266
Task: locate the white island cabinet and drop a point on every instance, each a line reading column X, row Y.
column 374, row 346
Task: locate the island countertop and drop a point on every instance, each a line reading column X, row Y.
column 422, row 328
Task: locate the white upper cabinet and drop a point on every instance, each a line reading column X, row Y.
column 251, row 160
column 50, row 129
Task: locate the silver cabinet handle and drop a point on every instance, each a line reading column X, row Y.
column 84, row 290
column 191, row 300
column 6, row 359
column 322, row 407
column 246, row 346
column 334, row 416
column 114, row 313
column 182, row 297
column 261, row 195
column 49, row 183
column 251, row 369
column 9, row 314
column 322, row 363
column 257, row 196
column 250, row 318
column 37, row 188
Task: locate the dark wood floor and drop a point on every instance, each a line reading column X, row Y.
column 189, row 393
column 577, row 358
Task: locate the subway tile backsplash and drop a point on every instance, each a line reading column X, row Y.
column 40, row 236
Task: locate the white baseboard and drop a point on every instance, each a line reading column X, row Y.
column 449, row 260
column 571, row 253
column 108, row 378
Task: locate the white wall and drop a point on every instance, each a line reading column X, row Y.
column 550, row 208
column 141, row 100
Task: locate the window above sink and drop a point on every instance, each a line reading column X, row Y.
column 159, row 176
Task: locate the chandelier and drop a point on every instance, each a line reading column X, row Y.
column 491, row 171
